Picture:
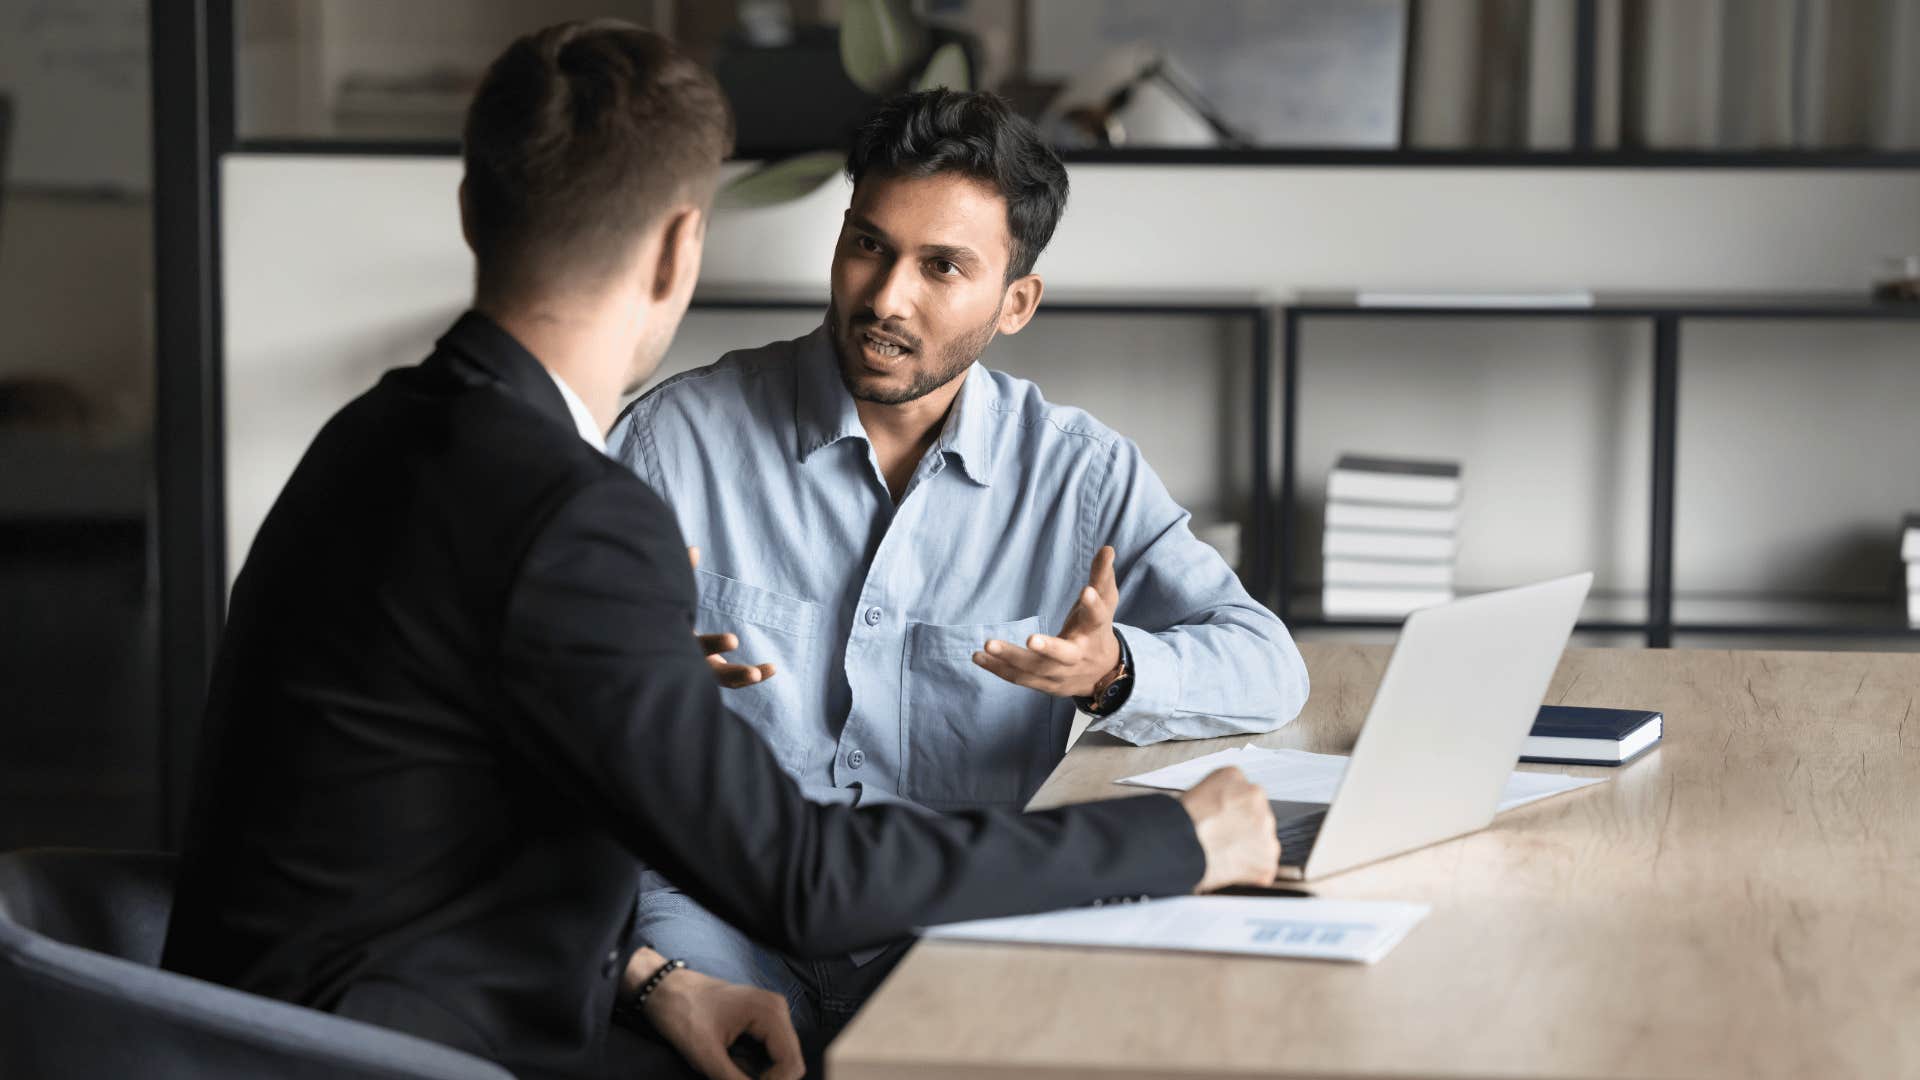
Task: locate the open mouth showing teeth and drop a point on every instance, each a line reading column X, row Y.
column 884, row 348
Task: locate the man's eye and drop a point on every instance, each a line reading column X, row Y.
column 866, row 244
column 945, row 267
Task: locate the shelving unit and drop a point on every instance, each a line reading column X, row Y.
column 1665, row 313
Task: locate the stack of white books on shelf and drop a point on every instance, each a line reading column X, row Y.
column 1389, row 546
column 1910, row 554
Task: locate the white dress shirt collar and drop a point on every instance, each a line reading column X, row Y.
column 582, row 419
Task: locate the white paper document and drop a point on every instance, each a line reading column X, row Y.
column 1359, row 931
column 1299, row 776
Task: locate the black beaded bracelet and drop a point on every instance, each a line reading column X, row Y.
column 653, row 982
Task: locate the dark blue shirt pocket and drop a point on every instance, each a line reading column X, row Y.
column 974, row 739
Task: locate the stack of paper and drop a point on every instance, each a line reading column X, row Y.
column 1360, row 931
column 1299, row 776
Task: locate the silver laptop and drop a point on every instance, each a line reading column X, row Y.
column 1445, row 730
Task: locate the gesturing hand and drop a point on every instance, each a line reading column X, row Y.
column 1072, row 662
column 728, row 674
column 702, row 1016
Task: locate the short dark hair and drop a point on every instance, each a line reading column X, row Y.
column 578, row 138
column 976, row 134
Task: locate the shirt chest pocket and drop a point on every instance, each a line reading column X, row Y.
column 772, row 628
column 974, row 739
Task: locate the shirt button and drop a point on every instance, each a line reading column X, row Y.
column 873, row 616
column 856, row 759
column 612, row 963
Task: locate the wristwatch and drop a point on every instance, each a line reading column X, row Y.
column 1111, row 691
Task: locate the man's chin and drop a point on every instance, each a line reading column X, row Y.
column 880, row 389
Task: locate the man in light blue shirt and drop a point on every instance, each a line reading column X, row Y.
column 935, row 563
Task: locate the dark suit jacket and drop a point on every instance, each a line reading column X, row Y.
column 459, row 697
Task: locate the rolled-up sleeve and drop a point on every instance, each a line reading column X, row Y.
column 1209, row 660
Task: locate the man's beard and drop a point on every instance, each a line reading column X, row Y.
column 955, row 358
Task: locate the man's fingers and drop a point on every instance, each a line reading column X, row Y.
column 773, row 1026
column 693, row 556
column 1102, row 578
column 705, row 1044
column 734, row 676
column 1091, row 613
column 1020, row 659
column 1008, row 672
column 1058, row 650
column 717, row 643
column 714, row 1063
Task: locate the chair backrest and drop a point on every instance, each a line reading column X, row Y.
column 110, row 902
column 79, row 934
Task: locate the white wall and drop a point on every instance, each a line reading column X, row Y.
column 1796, row 440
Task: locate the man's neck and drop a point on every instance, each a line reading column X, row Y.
column 590, row 350
column 901, row 434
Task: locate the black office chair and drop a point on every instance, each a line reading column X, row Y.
column 80, row 935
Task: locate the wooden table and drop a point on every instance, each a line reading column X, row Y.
column 1742, row 901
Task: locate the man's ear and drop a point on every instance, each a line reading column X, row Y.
column 680, row 243
column 1022, row 300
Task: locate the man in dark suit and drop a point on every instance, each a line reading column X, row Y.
column 459, row 692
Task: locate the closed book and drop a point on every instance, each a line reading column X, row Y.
column 1420, row 519
column 1372, row 572
column 1913, row 577
column 1353, row 601
column 1393, row 480
column 1361, row 544
column 1910, row 538
column 1913, row 610
column 1576, row 735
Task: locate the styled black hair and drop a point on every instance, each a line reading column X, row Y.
column 976, row 134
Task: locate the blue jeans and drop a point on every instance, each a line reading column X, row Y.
column 823, row 994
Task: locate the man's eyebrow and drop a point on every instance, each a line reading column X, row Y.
column 952, row 252
column 866, row 226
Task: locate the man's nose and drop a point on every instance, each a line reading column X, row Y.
column 895, row 292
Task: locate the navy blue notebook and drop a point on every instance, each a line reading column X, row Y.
column 1576, row 735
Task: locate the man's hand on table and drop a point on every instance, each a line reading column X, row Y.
column 1072, row 662
column 730, row 675
column 701, row 1017
column 1236, row 829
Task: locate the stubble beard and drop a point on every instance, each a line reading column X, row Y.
column 954, row 359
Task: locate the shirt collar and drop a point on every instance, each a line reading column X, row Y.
column 583, row 420
column 965, row 435
column 824, row 412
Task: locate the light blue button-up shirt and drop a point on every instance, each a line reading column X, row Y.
column 871, row 611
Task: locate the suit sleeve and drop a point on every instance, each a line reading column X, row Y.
column 611, row 699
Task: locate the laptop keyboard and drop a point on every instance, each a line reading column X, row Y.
column 1297, row 835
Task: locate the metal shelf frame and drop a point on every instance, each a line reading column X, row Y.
column 1665, row 314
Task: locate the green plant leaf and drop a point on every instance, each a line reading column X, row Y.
column 879, row 40
column 781, row 181
column 948, row 68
